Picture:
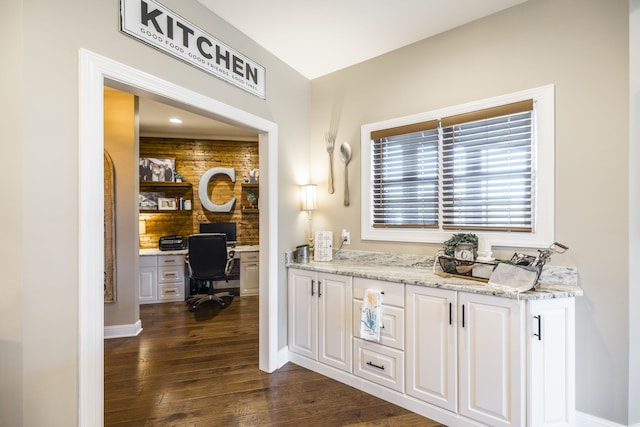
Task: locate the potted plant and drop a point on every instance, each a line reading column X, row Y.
column 177, row 176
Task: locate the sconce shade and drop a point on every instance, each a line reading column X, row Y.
column 308, row 194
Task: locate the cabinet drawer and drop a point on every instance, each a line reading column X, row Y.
column 173, row 274
column 379, row 364
column 148, row 261
column 392, row 331
column 249, row 257
column 393, row 292
column 171, row 291
column 169, row 260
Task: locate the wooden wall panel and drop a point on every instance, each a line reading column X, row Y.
column 193, row 158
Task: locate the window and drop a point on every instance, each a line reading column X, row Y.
column 485, row 167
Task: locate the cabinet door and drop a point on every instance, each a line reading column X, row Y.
column 431, row 346
column 249, row 273
column 302, row 312
column 551, row 335
column 491, row 355
column 148, row 285
column 334, row 321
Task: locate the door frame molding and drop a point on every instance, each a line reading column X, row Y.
column 94, row 71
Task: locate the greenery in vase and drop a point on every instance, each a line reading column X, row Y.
column 450, row 245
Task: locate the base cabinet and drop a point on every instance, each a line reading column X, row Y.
column 551, row 374
column 319, row 315
column 498, row 361
column 249, row 273
column 162, row 278
column 457, row 357
column 491, row 364
column 148, row 279
column 432, row 370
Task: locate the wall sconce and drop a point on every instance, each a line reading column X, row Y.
column 308, row 198
column 142, row 226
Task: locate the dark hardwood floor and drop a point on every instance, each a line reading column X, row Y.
column 201, row 370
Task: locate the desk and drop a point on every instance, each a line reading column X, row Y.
column 164, row 278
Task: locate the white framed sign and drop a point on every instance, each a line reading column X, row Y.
column 157, row 26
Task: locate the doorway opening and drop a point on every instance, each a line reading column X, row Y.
column 96, row 71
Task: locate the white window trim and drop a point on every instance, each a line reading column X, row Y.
column 544, row 174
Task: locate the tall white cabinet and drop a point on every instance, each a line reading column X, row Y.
column 320, row 312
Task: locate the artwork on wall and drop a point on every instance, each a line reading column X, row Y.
column 148, row 200
column 158, row 170
column 254, row 176
column 109, row 231
column 167, row 204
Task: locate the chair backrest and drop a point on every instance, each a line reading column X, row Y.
column 208, row 256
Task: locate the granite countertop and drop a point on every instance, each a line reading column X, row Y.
column 156, row 251
column 554, row 282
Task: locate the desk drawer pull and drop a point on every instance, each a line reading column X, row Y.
column 375, row 366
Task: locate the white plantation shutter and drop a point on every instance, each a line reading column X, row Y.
column 472, row 171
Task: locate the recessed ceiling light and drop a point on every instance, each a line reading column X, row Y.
column 175, row 120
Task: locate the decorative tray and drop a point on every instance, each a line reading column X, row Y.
column 448, row 266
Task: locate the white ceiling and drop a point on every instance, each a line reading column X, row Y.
column 319, row 37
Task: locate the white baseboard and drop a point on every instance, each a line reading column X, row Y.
column 586, row 420
column 122, row 331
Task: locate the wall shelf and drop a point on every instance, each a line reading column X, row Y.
column 160, row 184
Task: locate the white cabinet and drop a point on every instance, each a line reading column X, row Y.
column 319, row 312
column 383, row 362
column 491, row 359
column 162, row 278
column 148, row 279
column 458, row 357
column 249, row 273
column 464, row 354
column 551, row 374
column 432, row 346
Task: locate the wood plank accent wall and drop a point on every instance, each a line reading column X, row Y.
column 193, row 158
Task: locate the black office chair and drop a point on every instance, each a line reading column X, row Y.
column 208, row 260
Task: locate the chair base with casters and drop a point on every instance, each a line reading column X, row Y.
column 224, row 299
column 208, row 260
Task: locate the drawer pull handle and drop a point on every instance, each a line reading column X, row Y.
column 375, row 366
column 172, row 291
column 169, row 260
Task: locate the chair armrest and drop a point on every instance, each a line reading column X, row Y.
column 230, row 260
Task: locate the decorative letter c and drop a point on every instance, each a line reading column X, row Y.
column 203, row 192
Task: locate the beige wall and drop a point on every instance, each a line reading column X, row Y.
column 120, row 141
column 580, row 46
column 11, row 251
column 41, row 325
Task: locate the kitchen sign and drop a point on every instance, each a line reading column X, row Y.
column 154, row 24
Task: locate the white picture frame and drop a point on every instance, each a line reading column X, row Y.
column 167, row 204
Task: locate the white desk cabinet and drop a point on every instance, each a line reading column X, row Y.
column 162, row 278
column 148, row 279
column 249, row 273
column 320, row 311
